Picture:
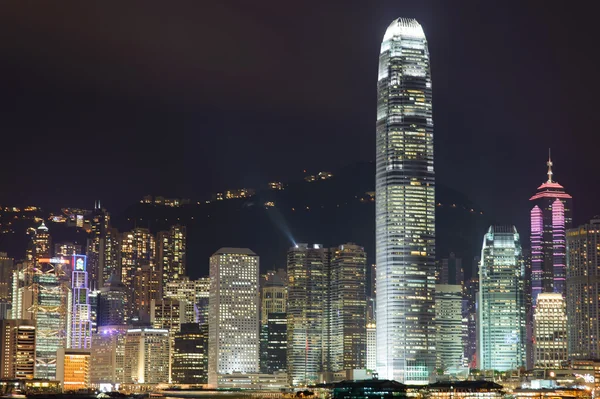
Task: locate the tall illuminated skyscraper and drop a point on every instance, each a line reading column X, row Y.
column 307, row 269
column 233, row 313
column 79, row 325
column 501, row 305
column 550, row 217
column 405, row 207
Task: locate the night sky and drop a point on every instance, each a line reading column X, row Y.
column 116, row 100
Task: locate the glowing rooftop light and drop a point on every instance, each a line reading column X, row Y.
column 404, row 27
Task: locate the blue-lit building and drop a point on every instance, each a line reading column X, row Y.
column 501, row 311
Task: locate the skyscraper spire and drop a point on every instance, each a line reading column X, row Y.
column 549, row 163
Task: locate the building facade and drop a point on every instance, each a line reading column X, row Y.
column 146, row 356
column 73, row 369
column 347, row 340
column 583, row 291
column 449, row 327
column 112, row 303
column 405, row 207
column 190, row 355
column 276, row 347
column 550, row 331
column 17, row 349
column 550, row 217
column 6, row 271
column 108, row 357
column 307, row 269
column 171, row 253
column 233, row 313
column 79, row 324
column 501, row 312
column 193, row 294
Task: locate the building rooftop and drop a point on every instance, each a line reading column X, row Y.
column 235, row 251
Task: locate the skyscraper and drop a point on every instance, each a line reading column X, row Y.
column 79, row 325
column 108, row 356
column 146, row 356
column 501, row 311
column 347, row 343
column 405, row 207
column 17, row 349
column 138, row 249
column 171, row 253
column 550, row 217
column 233, row 313
column 190, row 355
column 112, row 302
column 583, row 290
column 449, row 327
column 193, row 294
column 550, row 331
column 307, row 269
column 276, row 348
column 6, row 271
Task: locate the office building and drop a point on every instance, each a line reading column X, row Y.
column 17, row 349
column 273, row 297
column 550, row 217
column 171, row 253
column 6, row 271
column 73, row 369
column 112, row 302
column 470, row 314
column 276, row 347
column 233, row 343
column 449, row 327
column 307, row 269
column 79, row 325
column 108, row 357
column 347, row 341
column 371, row 347
column 190, row 355
column 501, row 311
column 405, row 207
column 583, row 291
column 193, row 295
column 41, row 244
column 450, row 271
column 550, row 331
column 146, row 356
column 41, row 294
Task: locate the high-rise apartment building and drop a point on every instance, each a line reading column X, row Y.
column 171, row 253
column 501, row 311
column 347, row 340
column 6, row 271
column 79, row 325
column 449, row 327
column 405, row 207
column 112, row 302
column 145, row 290
column 17, row 349
column 550, row 217
column 147, row 356
column 307, row 269
column 583, row 291
column 550, row 331
column 190, row 355
column 138, row 249
column 108, row 357
column 233, row 313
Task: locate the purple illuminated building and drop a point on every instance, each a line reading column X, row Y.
column 79, row 327
column 550, row 217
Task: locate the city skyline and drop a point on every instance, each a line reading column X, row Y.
column 396, row 295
